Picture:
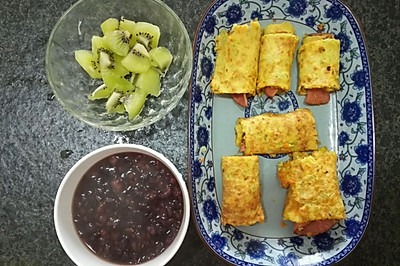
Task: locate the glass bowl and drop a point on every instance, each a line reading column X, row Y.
column 71, row 84
column 79, row 253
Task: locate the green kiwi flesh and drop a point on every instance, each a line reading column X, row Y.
column 109, row 25
column 113, row 101
column 147, row 34
column 88, row 61
column 149, row 81
column 128, row 25
column 99, row 44
column 130, row 63
column 102, row 92
column 111, row 78
column 118, row 41
column 161, row 58
column 134, row 102
column 138, row 59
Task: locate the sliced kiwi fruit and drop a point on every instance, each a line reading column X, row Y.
column 134, row 102
column 149, row 81
column 99, row 44
column 118, row 41
column 130, row 63
column 113, row 101
column 109, row 25
column 119, row 109
column 138, row 59
column 161, row 58
column 88, row 61
column 147, row 34
column 112, row 79
column 128, row 25
column 102, row 92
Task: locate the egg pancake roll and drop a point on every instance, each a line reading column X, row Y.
column 241, row 197
column 313, row 200
column 277, row 133
column 318, row 61
column 236, row 64
column 278, row 45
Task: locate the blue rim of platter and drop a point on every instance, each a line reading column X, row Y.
column 355, row 135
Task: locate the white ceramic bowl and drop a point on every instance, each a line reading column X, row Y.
column 63, row 220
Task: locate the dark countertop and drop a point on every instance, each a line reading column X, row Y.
column 34, row 130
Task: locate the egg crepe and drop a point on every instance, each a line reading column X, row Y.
column 241, row 203
column 278, row 45
column 313, row 187
column 236, row 65
column 277, row 133
column 318, row 61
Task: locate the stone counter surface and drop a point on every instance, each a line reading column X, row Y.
column 35, row 130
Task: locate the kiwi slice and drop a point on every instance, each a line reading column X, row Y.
column 118, row 41
column 147, row 34
column 109, row 25
column 113, row 101
column 99, row 44
column 112, row 79
column 149, row 81
column 134, row 102
column 161, row 58
column 138, row 59
column 128, row 25
column 119, row 109
column 101, row 92
column 88, row 61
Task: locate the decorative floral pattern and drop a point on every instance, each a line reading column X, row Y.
column 343, row 138
column 350, row 185
column 197, row 94
column 218, row 240
column 234, row 14
column 324, row 242
column 208, row 112
column 237, row 235
column 334, row 13
column 256, row 15
column 359, row 79
column 210, row 210
column 310, row 21
column 297, row 241
column 196, row 169
column 351, row 112
column 289, row 260
column 345, row 42
column 211, row 184
column 207, row 67
column 352, row 228
column 362, row 154
column 255, row 249
column 202, row 136
column 297, row 8
column 210, row 24
column 354, row 143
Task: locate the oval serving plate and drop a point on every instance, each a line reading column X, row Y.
column 344, row 125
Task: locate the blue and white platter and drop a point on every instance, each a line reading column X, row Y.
column 345, row 125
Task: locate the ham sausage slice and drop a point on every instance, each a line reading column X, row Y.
column 242, row 148
column 240, row 98
column 317, row 97
column 314, row 227
column 270, row 91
